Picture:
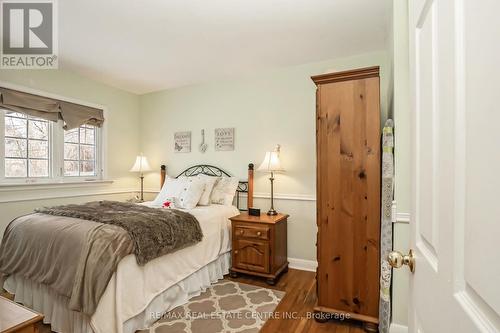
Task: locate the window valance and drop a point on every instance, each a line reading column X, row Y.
column 73, row 115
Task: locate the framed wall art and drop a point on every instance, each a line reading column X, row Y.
column 224, row 139
column 182, row 142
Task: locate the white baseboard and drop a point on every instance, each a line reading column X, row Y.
column 302, row 264
column 396, row 328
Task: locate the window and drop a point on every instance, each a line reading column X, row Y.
column 26, row 146
column 79, row 151
column 38, row 150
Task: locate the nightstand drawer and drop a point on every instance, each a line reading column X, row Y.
column 251, row 255
column 254, row 231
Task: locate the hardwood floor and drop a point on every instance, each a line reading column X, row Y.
column 300, row 297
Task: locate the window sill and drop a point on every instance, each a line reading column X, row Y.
column 52, row 185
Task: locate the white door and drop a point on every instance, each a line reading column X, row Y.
column 455, row 234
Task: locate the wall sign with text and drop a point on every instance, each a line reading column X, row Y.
column 182, row 142
column 224, row 139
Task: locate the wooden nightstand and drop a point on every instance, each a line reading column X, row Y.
column 15, row 318
column 259, row 245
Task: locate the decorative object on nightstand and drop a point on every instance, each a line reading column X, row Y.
column 272, row 164
column 253, row 211
column 259, row 245
column 141, row 165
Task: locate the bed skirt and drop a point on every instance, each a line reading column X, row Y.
column 62, row 320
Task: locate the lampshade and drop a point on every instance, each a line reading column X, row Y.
column 141, row 164
column 271, row 161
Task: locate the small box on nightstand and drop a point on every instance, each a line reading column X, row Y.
column 254, row 211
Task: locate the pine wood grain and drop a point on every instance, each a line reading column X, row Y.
column 259, row 245
column 348, row 191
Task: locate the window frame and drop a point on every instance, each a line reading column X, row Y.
column 27, row 158
column 98, row 155
column 56, row 148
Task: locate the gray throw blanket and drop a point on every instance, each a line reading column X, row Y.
column 76, row 257
column 155, row 232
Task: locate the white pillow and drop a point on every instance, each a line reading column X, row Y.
column 224, row 191
column 190, row 193
column 171, row 189
column 207, row 191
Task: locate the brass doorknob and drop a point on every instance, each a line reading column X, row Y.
column 396, row 259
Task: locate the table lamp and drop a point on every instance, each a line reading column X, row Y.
column 141, row 165
column 272, row 164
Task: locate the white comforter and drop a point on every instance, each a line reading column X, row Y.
column 133, row 287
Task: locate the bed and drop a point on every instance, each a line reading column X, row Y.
column 137, row 296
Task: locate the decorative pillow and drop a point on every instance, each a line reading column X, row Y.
column 224, row 191
column 190, row 193
column 207, row 191
column 171, row 189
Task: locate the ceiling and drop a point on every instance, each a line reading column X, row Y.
column 145, row 46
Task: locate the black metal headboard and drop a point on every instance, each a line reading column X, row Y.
column 210, row 170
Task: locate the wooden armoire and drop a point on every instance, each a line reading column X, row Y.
column 348, row 195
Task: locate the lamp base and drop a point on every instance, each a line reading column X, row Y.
column 272, row 212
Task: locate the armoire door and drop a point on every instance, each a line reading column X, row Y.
column 348, row 192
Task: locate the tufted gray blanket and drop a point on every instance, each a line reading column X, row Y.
column 75, row 249
column 154, row 231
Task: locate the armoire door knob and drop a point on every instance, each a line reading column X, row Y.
column 396, row 259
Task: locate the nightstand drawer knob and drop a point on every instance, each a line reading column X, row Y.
column 242, row 232
column 235, row 251
column 259, row 233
